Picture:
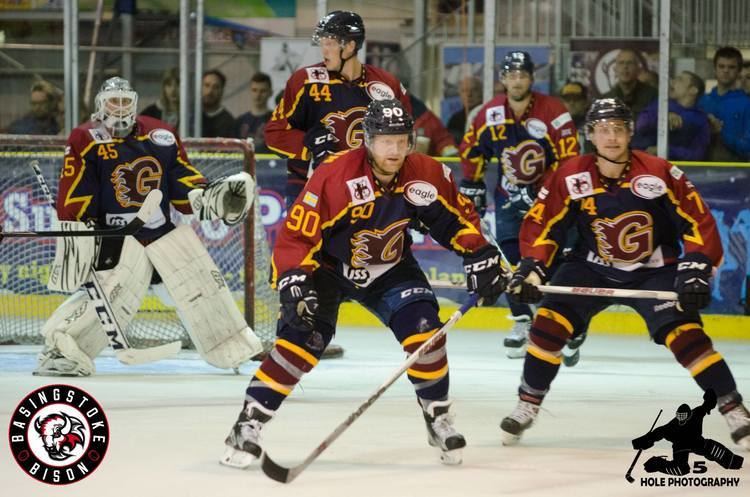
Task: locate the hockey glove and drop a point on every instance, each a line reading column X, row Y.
column 476, row 191
column 485, row 275
column 299, row 300
column 529, row 274
column 691, row 283
column 643, row 443
column 320, row 143
column 709, row 400
column 522, row 199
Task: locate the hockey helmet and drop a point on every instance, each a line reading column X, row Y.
column 387, row 117
column 115, row 106
column 342, row 25
column 605, row 109
column 517, row 61
column 683, row 413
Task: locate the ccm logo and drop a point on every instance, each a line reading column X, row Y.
column 687, row 266
column 482, row 265
column 592, row 291
column 292, row 278
column 415, row 291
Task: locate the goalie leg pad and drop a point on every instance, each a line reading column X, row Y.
column 205, row 303
column 74, row 331
column 74, row 257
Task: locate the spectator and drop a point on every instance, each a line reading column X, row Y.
column 574, row 96
column 216, row 120
column 470, row 92
column 689, row 133
column 728, row 109
column 41, row 120
column 167, row 108
column 629, row 88
column 649, row 77
column 432, row 137
column 252, row 123
column 745, row 77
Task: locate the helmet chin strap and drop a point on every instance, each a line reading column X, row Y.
column 343, row 59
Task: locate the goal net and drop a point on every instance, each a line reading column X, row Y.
column 240, row 252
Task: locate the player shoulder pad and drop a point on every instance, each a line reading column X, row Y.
column 381, row 85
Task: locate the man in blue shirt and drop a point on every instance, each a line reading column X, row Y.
column 728, row 109
column 689, row 133
column 41, row 120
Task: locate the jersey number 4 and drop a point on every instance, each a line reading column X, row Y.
column 324, row 92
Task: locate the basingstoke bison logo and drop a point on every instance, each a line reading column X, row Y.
column 346, row 126
column 132, row 181
column 523, row 164
column 370, row 247
column 628, row 238
column 60, row 434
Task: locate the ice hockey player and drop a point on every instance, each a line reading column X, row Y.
column 111, row 163
column 632, row 212
column 346, row 237
column 323, row 105
column 529, row 134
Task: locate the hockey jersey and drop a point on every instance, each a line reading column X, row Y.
column 106, row 179
column 345, row 220
column 319, row 101
column 526, row 149
column 638, row 224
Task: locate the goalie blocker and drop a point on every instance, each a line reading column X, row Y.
column 73, row 334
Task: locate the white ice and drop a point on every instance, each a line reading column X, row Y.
column 168, row 422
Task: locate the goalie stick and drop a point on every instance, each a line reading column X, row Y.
column 285, row 475
column 638, row 454
column 117, row 339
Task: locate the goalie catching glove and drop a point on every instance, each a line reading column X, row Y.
column 529, row 274
column 299, row 300
column 485, row 276
column 228, row 198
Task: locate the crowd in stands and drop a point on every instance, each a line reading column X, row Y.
column 713, row 126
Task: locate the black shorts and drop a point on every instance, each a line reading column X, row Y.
column 661, row 316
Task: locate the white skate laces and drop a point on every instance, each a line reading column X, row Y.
column 738, row 420
column 522, row 417
column 242, row 445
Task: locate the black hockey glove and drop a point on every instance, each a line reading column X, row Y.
column 529, row 274
column 643, row 443
column 476, row 191
column 709, row 400
column 299, row 300
column 320, row 143
column 522, row 199
column 485, row 275
column 691, row 283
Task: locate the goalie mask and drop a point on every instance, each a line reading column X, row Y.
column 115, row 106
column 388, row 117
column 683, row 414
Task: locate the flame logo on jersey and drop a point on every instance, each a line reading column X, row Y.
column 524, row 164
column 628, row 238
column 378, row 246
column 132, row 181
column 60, row 434
column 346, row 126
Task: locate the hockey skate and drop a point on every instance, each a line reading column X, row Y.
column 571, row 353
column 521, row 419
column 243, row 442
column 515, row 342
column 441, row 433
column 738, row 420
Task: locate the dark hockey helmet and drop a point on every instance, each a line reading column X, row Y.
column 605, row 109
column 387, row 117
column 517, row 61
column 343, row 25
column 683, row 413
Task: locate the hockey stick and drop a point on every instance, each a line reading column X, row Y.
column 285, row 475
column 117, row 339
column 623, row 293
column 638, row 454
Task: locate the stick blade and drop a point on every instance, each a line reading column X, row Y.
column 150, row 206
column 629, row 478
column 132, row 356
column 274, row 471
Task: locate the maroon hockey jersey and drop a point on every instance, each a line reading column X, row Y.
column 638, row 224
column 526, row 149
column 106, row 179
column 345, row 220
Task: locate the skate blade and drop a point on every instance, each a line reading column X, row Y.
column 236, row 458
column 572, row 359
column 744, row 443
column 509, row 439
column 452, row 457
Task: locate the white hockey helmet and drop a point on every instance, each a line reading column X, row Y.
column 115, row 106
